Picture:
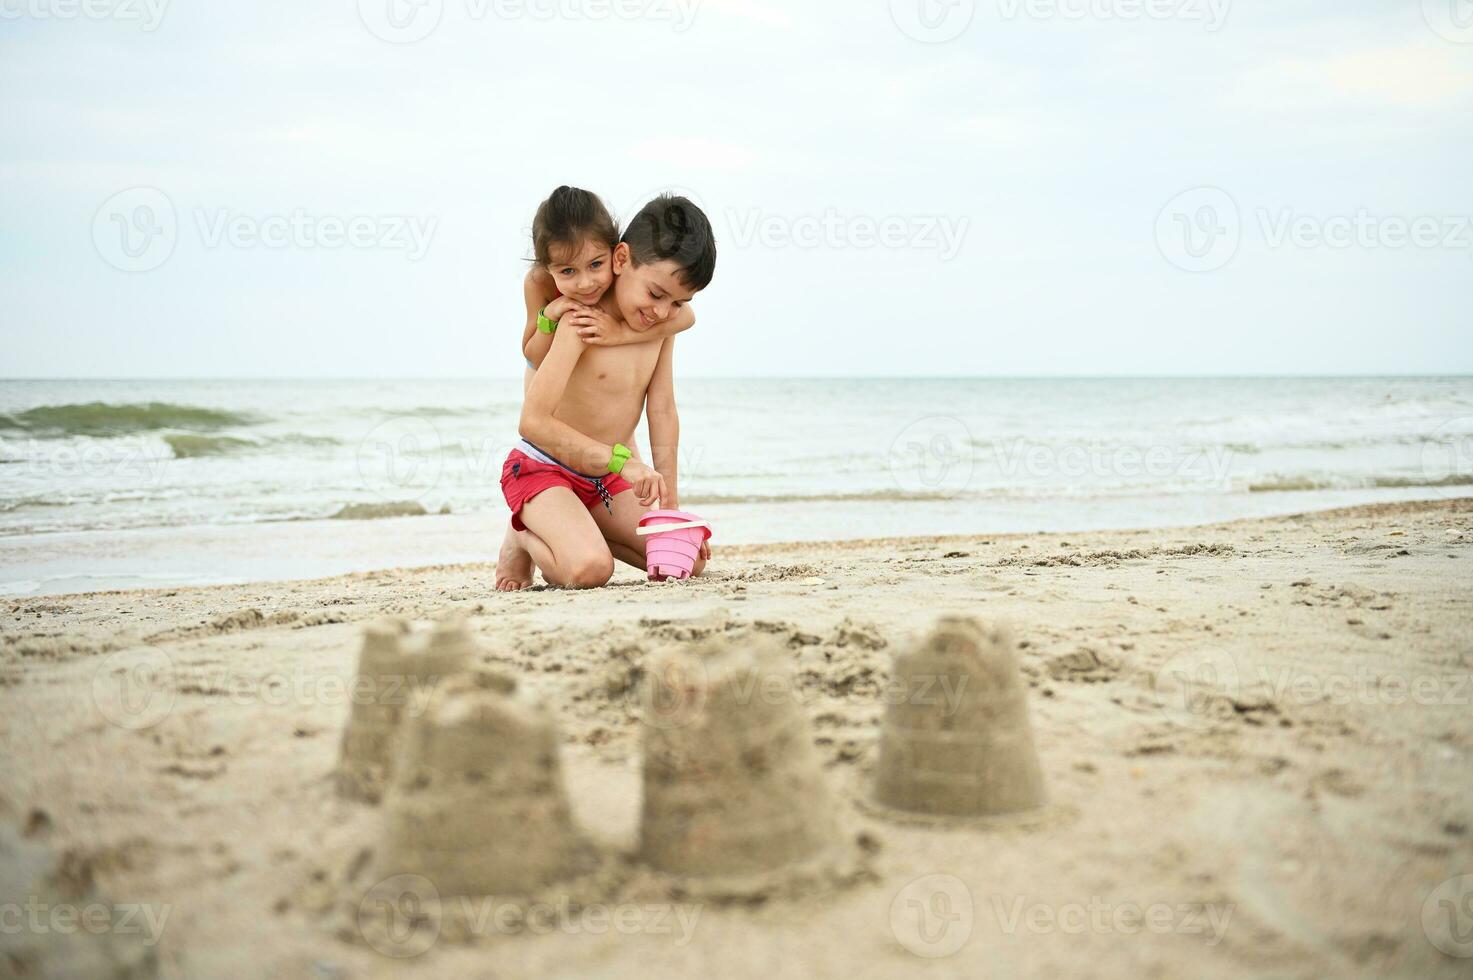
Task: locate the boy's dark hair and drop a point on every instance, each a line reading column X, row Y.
column 673, row 228
column 570, row 216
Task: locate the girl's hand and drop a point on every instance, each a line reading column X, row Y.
column 559, row 308
column 595, row 326
column 649, row 486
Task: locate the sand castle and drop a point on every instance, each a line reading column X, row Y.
column 397, row 671
column 732, row 782
column 956, row 740
column 477, row 803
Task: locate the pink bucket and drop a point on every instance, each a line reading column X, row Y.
column 673, row 553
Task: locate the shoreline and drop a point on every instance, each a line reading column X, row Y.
column 1308, row 802
column 83, row 562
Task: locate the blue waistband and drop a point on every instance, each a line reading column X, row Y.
column 526, row 448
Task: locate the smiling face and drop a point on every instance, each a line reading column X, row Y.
column 582, row 274
column 648, row 294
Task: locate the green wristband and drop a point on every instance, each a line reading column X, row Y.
column 544, row 325
column 620, row 457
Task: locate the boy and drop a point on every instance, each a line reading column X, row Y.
column 575, row 494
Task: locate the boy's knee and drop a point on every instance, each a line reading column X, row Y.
column 590, row 571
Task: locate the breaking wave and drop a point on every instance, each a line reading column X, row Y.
column 102, row 419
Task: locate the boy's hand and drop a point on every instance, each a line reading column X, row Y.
column 596, row 327
column 649, row 486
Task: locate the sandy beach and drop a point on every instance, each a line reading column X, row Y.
column 1300, row 807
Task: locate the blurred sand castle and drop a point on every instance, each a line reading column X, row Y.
column 732, row 782
column 477, row 803
column 397, row 671
column 960, row 743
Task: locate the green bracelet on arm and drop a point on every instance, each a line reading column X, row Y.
column 620, row 457
column 544, row 325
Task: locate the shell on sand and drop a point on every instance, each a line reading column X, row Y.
column 957, row 741
column 396, row 670
column 732, row 782
column 477, row 803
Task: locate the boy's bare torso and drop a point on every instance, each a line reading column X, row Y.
column 606, row 391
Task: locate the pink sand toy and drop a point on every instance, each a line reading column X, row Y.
column 675, row 540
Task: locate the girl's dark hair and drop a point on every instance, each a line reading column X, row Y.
column 674, row 228
column 568, row 217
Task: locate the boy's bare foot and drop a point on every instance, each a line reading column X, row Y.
column 513, row 564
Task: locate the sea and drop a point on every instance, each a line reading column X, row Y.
column 151, row 483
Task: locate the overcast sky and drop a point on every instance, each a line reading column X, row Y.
column 898, row 187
